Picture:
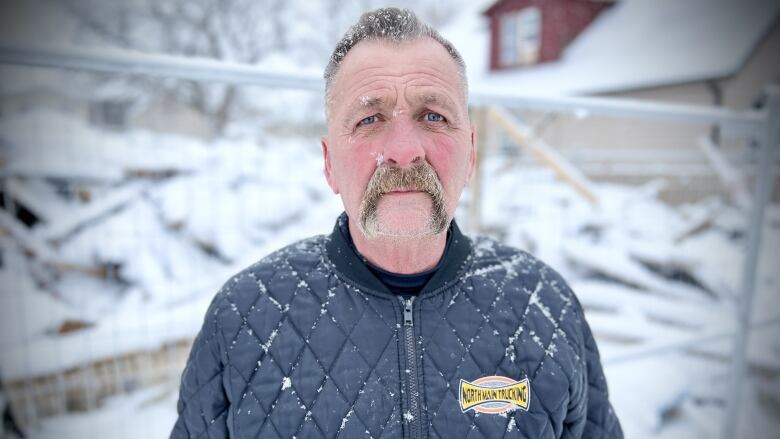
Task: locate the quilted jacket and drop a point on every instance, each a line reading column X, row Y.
column 307, row 343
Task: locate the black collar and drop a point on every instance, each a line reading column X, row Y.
column 349, row 264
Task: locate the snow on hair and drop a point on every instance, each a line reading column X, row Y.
column 393, row 25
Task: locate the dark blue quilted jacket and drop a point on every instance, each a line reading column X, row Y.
column 307, row 343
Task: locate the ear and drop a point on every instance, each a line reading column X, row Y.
column 328, row 165
column 472, row 159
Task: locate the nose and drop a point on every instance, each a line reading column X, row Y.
column 403, row 144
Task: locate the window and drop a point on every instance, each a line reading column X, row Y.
column 520, row 36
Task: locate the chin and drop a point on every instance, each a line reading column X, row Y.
column 400, row 224
column 404, row 216
column 403, row 232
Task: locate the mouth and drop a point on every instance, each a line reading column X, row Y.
column 403, row 190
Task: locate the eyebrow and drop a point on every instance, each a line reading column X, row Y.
column 361, row 104
column 374, row 102
column 431, row 98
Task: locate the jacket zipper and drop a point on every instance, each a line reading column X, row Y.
column 412, row 416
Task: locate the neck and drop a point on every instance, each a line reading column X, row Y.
column 400, row 255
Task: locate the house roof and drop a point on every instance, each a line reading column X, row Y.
column 494, row 4
column 635, row 44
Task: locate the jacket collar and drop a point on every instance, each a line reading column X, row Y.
column 349, row 263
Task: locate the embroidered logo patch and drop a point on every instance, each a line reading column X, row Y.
column 494, row 395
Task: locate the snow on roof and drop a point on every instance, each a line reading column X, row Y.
column 634, row 44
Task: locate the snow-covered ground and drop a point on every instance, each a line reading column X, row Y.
column 647, row 274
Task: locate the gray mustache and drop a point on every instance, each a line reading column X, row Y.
column 419, row 177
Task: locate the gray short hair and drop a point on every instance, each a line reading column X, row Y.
column 392, row 25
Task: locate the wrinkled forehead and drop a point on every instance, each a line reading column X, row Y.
column 377, row 62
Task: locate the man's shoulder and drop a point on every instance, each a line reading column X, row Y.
column 524, row 282
column 281, row 270
column 297, row 258
column 491, row 255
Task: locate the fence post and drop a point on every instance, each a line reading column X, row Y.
column 480, row 120
column 764, row 183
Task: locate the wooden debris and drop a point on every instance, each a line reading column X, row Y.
column 732, row 181
column 91, row 213
column 670, row 263
column 69, row 326
column 615, row 264
column 30, row 243
column 475, row 187
column 562, row 167
column 102, row 271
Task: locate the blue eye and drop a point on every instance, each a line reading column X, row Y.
column 368, row 120
column 433, row 117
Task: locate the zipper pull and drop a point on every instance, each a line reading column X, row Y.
column 408, row 311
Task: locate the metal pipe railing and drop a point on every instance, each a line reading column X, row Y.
column 764, row 183
column 203, row 69
column 168, row 66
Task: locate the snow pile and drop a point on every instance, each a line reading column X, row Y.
column 660, row 287
column 133, row 233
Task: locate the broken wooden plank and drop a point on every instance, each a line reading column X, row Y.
column 38, row 196
column 475, row 186
column 562, row 167
column 733, row 182
column 614, row 263
column 29, row 242
column 84, row 214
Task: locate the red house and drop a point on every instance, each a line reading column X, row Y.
column 526, row 32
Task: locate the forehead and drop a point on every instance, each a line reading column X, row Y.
column 373, row 67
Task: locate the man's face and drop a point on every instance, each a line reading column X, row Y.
column 400, row 147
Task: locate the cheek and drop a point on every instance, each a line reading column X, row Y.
column 357, row 163
column 448, row 156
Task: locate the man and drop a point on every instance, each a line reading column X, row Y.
column 395, row 325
